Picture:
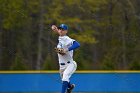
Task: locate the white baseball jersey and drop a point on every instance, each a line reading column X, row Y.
column 65, row 42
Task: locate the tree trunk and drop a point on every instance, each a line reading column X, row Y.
column 123, row 39
column 41, row 27
column 0, row 43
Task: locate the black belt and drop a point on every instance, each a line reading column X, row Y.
column 64, row 63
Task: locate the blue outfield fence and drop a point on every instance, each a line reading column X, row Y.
column 86, row 81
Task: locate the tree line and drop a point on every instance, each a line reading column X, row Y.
column 108, row 31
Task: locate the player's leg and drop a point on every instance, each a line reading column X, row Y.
column 71, row 68
column 61, row 72
column 67, row 74
column 64, row 83
column 64, row 86
column 71, row 86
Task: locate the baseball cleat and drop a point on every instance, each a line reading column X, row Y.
column 69, row 90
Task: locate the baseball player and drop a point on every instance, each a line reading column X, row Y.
column 64, row 50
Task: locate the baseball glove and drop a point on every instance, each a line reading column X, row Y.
column 60, row 51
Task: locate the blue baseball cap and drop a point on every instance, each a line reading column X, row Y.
column 63, row 26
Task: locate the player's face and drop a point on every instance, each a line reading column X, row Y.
column 62, row 32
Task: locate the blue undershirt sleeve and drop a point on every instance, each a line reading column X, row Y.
column 74, row 46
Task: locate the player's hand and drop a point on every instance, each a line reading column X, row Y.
column 54, row 28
